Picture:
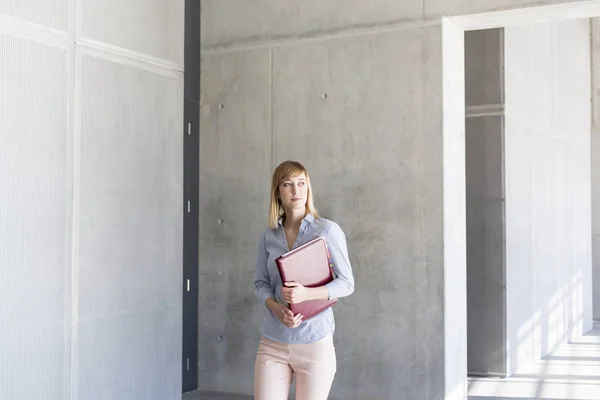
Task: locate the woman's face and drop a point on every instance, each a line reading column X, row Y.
column 293, row 192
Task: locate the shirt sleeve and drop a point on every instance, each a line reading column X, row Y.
column 262, row 282
column 343, row 284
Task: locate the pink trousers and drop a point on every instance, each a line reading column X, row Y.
column 314, row 366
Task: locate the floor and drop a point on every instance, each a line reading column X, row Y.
column 214, row 396
column 572, row 372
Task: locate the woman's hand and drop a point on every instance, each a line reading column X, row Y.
column 294, row 292
column 286, row 316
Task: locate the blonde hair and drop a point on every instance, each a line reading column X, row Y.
column 286, row 170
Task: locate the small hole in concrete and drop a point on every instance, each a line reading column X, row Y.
column 221, row 106
column 324, row 96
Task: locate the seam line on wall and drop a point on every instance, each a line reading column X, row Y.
column 594, row 63
column 65, row 39
column 271, row 107
column 34, row 32
column 74, row 157
column 130, row 57
column 316, row 36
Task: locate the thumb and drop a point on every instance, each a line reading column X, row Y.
column 291, row 284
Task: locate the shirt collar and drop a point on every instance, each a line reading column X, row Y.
column 309, row 219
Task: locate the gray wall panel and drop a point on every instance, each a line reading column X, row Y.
column 35, row 209
column 548, row 197
column 485, row 245
column 373, row 147
column 484, row 67
column 234, row 203
column 484, row 138
column 130, row 225
column 152, row 27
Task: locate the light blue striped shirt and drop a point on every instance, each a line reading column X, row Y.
column 267, row 281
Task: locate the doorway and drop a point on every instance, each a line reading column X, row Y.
column 524, row 318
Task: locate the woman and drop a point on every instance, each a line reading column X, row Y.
column 290, row 346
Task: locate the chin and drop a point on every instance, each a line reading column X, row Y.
column 298, row 206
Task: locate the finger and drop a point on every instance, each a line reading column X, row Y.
column 291, row 284
column 288, row 312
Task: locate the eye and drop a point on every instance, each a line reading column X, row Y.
column 300, row 183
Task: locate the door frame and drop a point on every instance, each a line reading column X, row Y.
column 454, row 183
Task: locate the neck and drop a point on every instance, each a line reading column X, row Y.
column 293, row 218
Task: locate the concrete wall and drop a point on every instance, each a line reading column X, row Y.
column 90, row 199
column 374, row 154
column 596, row 163
column 548, row 210
column 233, row 205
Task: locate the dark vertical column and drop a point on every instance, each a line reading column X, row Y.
column 191, row 163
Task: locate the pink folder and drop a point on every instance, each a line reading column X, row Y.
column 310, row 266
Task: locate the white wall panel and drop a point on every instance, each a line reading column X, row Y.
column 130, row 225
column 548, row 197
column 35, row 206
column 50, row 13
column 151, row 27
column 596, row 163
